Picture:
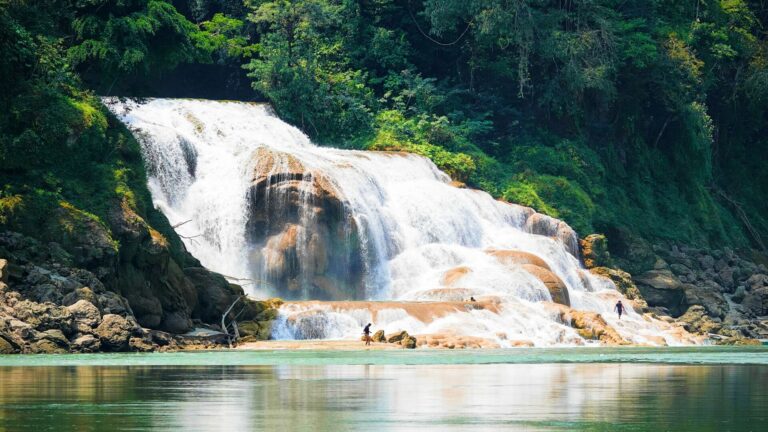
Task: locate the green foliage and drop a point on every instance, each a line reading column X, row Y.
column 134, row 37
column 611, row 115
column 416, row 135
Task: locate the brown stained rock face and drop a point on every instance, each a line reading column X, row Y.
column 557, row 288
column 537, row 267
column 517, row 257
column 455, row 274
column 541, row 224
column 304, row 242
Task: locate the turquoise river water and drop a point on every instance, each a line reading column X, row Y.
column 602, row 389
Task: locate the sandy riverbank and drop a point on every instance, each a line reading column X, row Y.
column 316, row 345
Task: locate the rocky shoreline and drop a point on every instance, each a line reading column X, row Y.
column 49, row 305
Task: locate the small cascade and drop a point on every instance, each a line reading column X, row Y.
column 254, row 199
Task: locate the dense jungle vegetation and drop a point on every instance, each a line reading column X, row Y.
column 644, row 117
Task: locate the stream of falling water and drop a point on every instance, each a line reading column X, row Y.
column 413, row 227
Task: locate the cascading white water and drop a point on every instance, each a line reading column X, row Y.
column 413, row 227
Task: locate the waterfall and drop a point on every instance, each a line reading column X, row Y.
column 253, row 198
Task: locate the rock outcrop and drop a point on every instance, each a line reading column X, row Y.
column 47, row 305
column 594, row 251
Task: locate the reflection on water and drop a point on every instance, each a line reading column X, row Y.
column 386, row 397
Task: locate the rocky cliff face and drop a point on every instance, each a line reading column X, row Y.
column 711, row 291
column 304, row 240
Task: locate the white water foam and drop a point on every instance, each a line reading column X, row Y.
column 415, row 226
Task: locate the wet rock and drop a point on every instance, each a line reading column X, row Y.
column 557, row 288
column 321, row 259
column 114, row 332
column 589, row 325
column 259, row 330
column 594, row 251
column 662, row 288
column 517, row 258
column 541, row 224
column 455, row 274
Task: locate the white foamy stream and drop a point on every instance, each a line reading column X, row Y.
column 415, row 226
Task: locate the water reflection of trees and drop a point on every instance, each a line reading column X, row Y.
column 382, row 397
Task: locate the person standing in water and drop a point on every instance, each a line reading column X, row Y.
column 367, row 333
column 619, row 308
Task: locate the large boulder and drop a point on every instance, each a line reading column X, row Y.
column 379, row 336
column 115, row 332
column 696, row 320
column 708, row 296
column 663, row 288
column 85, row 312
column 305, row 241
column 408, row 342
column 630, row 251
column 397, row 337
column 756, row 302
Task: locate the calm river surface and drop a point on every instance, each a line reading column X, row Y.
column 699, row 389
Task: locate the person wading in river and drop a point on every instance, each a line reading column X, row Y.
column 367, row 333
column 619, row 308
